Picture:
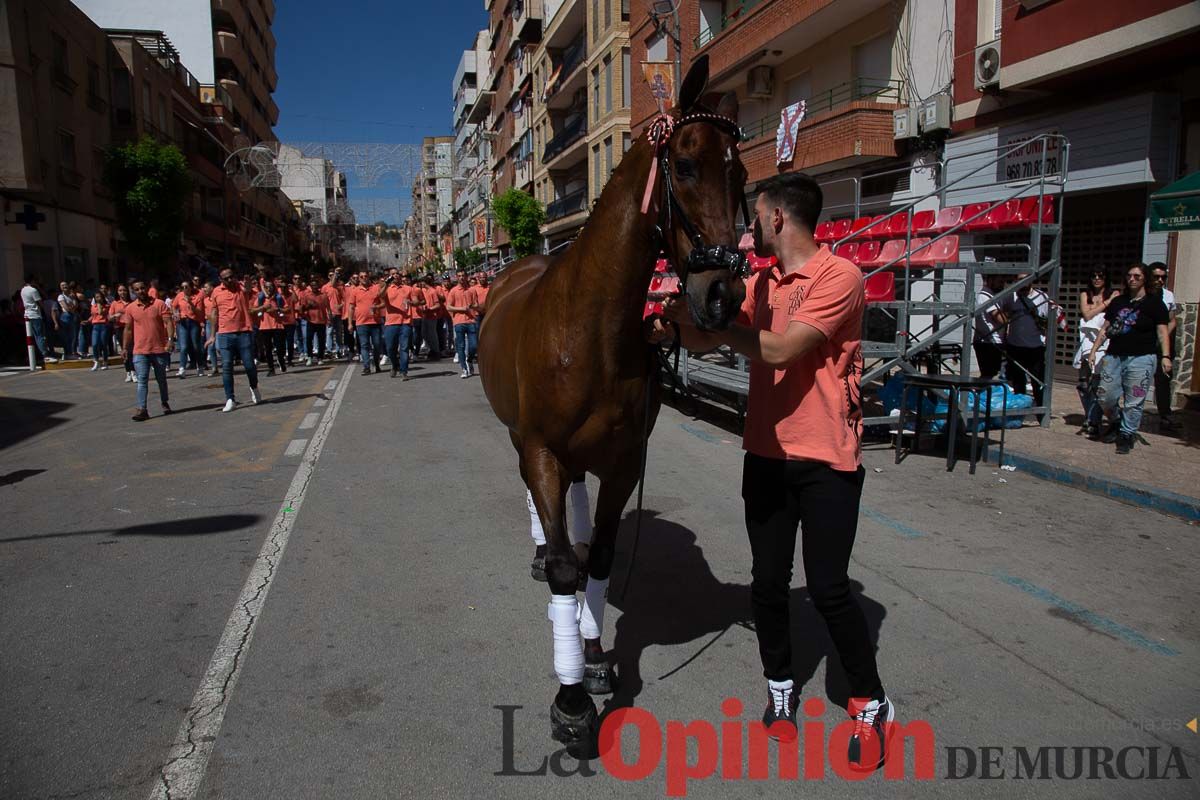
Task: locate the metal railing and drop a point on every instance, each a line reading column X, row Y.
column 570, row 133
column 736, row 11
column 882, row 90
column 566, row 205
column 572, row 59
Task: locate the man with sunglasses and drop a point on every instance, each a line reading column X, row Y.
column 1162, row 377
column 229, row 316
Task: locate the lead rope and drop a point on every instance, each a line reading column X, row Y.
column 637, row 528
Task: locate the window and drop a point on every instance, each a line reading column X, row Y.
column 797, row 88
column 61, row 64
column 162, row 113
column 608, row 158
column 93, row 78
column 656, row 48
column 624, row 10
column 146, row 110
column 608, row 13
column 872, row 65
column 596, row 171
column 66, row 149
column 988, row 21
column 595, row 19
column 607, row 84
column 595, row 94
column 626, row 89
column 626, row 141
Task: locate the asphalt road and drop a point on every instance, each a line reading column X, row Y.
column 397, row 647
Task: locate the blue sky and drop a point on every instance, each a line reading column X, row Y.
column 377, row 71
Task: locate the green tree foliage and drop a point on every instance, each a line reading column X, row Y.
column 522, row 216
column 150, row 184
column 467, row 259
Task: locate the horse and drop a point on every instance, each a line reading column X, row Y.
column 565, row 363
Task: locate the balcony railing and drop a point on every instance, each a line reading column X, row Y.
column 881, row 90
column 732, row 14
column 572, row 58
column 571, row 133
column 565, row 206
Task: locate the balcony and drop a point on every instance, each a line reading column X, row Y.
column 568, row 76
column 571, row 134
column 879, row 90
column 465, row 99
column 523, row 174
column 717, row 16
column 526, row 16
column 567, row 205
column 568, row 22
column 522, row 66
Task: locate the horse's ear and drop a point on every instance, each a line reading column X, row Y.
column 728, row 106
column 693, row 85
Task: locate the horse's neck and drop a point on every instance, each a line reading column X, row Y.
column 616, row 252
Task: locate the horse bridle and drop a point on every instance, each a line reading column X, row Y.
column 703, row 257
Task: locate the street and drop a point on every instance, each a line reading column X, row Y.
column 392, row 643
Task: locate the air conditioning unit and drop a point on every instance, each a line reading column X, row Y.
column 987, row 65
column 904, row 123
column 760, row 83
column 935, row 113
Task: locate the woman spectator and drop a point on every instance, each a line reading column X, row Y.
column 1093, row 302
column 116, row 319
column 189, row 313
column 99, row 321
column 1135, row 331
column 85, row 320
column 68, row 320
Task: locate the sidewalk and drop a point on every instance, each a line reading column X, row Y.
column 1159, row 474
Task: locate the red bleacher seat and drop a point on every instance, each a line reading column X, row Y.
column 848, row 251
column 840, row 229
column 924, row 222
column 1030, row 207
column 979, row 212
column 824, row 233
column 881, row 287
column 874, row 229
column 892, row 250
column 858, row 228
column 947, row 218
column 919, row 253
column 944, row 250
column 868, row 253
column 896, row 226
column 999, row 217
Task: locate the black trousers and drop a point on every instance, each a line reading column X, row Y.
column 1032, row 359
column 270, row 345
column 315, row 343
column 781, row 496
column 1162, row 384
column 989, row 358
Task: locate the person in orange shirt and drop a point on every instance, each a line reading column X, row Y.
column 364, row 303
column 210, row 350
column 116, row 319
column 801, row 327
column 289, row 306
column 481, row 293
column 443, row 319
column 188, row 310
column 269, row 305
column 352, row 285
column 99, row 320
column 462, row 304
column 315, row 314
column 399, row 309
column 229, row 318
column 430, row 311
column 149, row 329
column 335, row 295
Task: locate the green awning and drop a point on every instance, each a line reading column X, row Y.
column 1177, row 207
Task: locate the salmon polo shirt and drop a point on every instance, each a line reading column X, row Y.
column 233, row 309
column 149, row 321
column 812, row 409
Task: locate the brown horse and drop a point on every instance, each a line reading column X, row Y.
column 565, row 364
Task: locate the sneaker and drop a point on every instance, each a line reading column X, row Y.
column 377, row 370
column 199, row 373
column 1124, row 444
column 395, row 372
column 50, row 360
column 255, row 397
column 1110, row 433
column 383, row 360
column 104, row 366
column 141, row 415
column 871, row 729
column 166, row 409
column 95, row 366
column 230, row 405
column 129, row 377
column 1168, row 424
column 366, row 371
column 181, row 372
column 403, row 376
column 465, row 374
column 781, row 707
column 308, row 362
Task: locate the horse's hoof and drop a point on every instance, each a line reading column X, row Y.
column 599, row 678
column 578, row 733
column 538, row 569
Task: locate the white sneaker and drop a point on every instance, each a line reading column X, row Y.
column 199, row 373
column 255, row 397
column 104, row 366
column 229, row 406
column 308, row 362
column 180, row 373
column 383, row 361
column 95, row 366
column 465, row 374
column 129, row 377
column 50, row 360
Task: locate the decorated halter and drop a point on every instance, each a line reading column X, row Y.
column 703, row 257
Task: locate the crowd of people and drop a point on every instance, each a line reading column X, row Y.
column 378, row 319
column 1126, row 345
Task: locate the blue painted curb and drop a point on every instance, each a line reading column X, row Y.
column 1177, row 505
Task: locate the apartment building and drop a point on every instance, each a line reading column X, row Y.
column 54, row 122
column 427, row 230
column 471, row 151
column 1120, row 81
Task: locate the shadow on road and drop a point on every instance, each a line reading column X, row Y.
column 205, row 407
column 18, row 476
column 191, row 526
column 25, row 418
column 674, row 599
column 437, row 374
column 287, row 398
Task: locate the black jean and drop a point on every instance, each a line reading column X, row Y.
column 1033, row 359
column 1162, row 384
column 271, row 344
column 989, row 358
column 315, row 342
column 781, row 496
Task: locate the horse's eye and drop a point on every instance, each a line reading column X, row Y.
column 685, row 168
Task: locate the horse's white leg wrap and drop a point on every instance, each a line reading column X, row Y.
column 535, row 523
column 580, row 529
column 568, row 649
column 591, row 619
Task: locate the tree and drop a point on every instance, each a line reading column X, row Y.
column 522, row 216
column 150, row 184
column 467, row 259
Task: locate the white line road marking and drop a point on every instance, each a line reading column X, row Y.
column 329, row 387
column 320, row 402
column 295, row 447
column 187, row 761
column 310, row 421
